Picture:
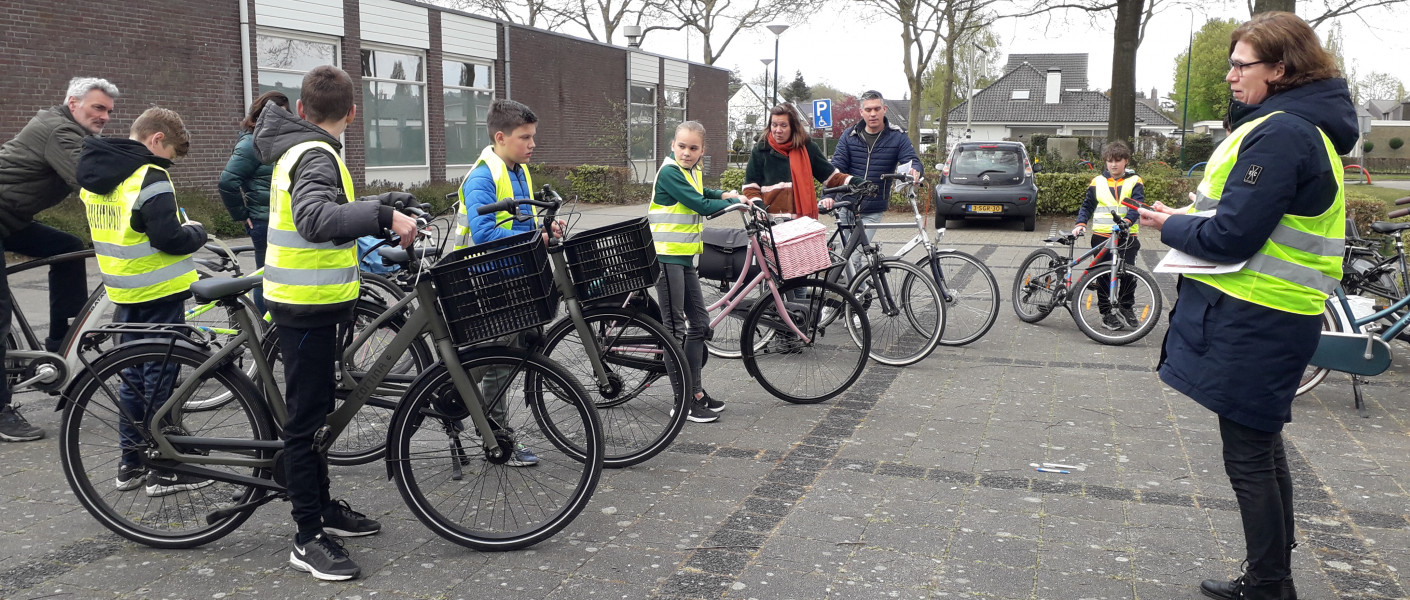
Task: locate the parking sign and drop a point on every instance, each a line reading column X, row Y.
column 822, row 113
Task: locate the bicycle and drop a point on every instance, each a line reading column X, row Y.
column 617, row 352
column 903, row 304
column 1367, row 273
column 783, row 337
column 1044, row 282
column 1359, row 352
column 465, row 496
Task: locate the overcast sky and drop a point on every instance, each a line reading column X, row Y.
column 852, row 51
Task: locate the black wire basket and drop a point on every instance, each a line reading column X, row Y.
column 495, row 289
column 612, row 260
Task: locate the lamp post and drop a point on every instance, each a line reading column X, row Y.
column 767, row 62
column 778, row 30
column 969, row 104
column 1185, row 118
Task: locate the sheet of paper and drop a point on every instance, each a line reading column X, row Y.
column 1176, row 261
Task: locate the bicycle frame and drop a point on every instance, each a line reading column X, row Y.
column 740, row 289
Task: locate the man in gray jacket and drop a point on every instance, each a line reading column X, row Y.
column 37, row 172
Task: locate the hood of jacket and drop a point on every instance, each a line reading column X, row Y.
column 278, row 130
column 107, row 162
column 1326, row 104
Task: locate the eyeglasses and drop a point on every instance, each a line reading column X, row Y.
column 1234, row 64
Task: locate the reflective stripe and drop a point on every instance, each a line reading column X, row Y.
column 503, row 189
column 1203, row 202
column 676, row 237
column 675, row 218
column 292, row 239
column 464, row 239
column 312, row 276
column 139, row 280
column 1282, row 269
column 141, row 250
column 157, row 187
column 1307, row 242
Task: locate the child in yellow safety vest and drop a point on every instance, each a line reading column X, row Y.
column 1104, row 196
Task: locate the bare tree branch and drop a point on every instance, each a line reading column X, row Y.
column 713, row 18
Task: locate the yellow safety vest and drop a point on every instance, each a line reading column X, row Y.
column 1300, row 263
column 1101, row 219
column 133, row 271
column 297, row 271
column 503, row 190
column 675, row 229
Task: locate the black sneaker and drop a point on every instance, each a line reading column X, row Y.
column 341, row 520
column 1129, row 316
column 14, row 427
column 715, row 406
column 130, row 477
column 1111, row 322
column 700, row 413
column 166, row 484
column 324, row 558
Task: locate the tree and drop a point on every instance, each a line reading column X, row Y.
column 1323, row 10
column 1208, row 93
column 1379, row 86
column 797, row 91
column 735, row 82
column 823, row 90
column 845, row 113
column 719, row 21
column 973, row 70
column 608, row 15
column 534, row 13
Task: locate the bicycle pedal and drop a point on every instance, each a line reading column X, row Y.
column 320, row 439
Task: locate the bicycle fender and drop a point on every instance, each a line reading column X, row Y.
column 1356, row 353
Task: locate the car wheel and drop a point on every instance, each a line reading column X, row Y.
column 1030, row 222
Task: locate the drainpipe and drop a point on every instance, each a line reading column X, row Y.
column 507, row 88
column 245, row 53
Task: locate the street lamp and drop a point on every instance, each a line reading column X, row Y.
column 969, row 104
column 1185, row 101
column 778, row 30
column 766, row 62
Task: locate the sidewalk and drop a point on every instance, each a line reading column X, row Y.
column 916, row 483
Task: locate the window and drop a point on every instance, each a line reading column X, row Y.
column 469, row 90
column 283, row 61
column 641, row 122
column 673, row 114
column 394, row 108
column 1019, row 95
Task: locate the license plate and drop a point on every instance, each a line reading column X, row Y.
column 986, row 208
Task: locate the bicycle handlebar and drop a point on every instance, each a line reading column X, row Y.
column 545, row 198
column 1400, row 201
column 1396, row 214
column 737, row 207
column 836, row 205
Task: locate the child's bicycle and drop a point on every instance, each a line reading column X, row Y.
column 1044, row 283
column 448, row 457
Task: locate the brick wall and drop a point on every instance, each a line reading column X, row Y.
column 572, row 86
column 708, row 102
column 354, row 139
column 189, row 63
column 435, row 105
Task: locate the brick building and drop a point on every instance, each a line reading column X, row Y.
column 427, row 76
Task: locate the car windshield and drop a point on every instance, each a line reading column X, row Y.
column 999, row 164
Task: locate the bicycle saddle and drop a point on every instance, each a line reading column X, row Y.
column 399, row 256
column 1388, row 227
column 236, row 249
column 1066, row 240
column 212, row 289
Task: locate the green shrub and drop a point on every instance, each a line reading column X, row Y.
column 596, row 184
column 732, row 179
column 1368, row 146
column 1197, row 149
column 1395, row 143
column 1062, row 193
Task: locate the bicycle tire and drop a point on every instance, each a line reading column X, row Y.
column 224, row 318
column 380, row 288
column 1312, row 375
column 724, row 338
column 1087, row 313
column 819, row 371
column 364, row 440
column 973, row 306
column 1035, row 287
column 913, row 332
column 90, row 449
column 639, row 419
column 427, row 455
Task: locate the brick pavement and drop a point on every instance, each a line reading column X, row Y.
column 916, row 483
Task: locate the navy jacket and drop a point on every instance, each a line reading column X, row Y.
column 1238, row 359
column 854, row 157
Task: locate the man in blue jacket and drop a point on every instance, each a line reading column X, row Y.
column 872, row 148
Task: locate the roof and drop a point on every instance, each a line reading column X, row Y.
column 1074, row 67
column 993, row 104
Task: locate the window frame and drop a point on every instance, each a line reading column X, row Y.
column 302, row 36
column 457, row 58
column 425, row 104
column 684, row 109
column 655, row 118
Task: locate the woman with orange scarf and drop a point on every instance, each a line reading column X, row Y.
column 784, row 165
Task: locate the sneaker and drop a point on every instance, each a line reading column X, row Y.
column 1129, row 316
column 715, row 406
column 1111, row 322
column 14, row 427
column 341, row 520
column 324, row 558
column 701, row 413
column 166, row 484
column 523, row 457
column 130, row 477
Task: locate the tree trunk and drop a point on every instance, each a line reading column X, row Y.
column 942, row 127
column 1262, row 6
column 1121, row 121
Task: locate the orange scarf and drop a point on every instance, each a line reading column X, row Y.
column 805, row 199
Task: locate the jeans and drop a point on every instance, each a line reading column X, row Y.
column 1126, row 288
column 68, row 283
column 147, row 386
column 259, row 236
column 1257, row 466
column 308, row 356
column 684, row 315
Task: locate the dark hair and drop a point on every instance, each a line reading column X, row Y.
column 507, row 115
column 871, row 95
column 327, row 94
column 795, row 123
column 166, row 122
column 1117, row 150
column 1281, row 37
column 278, row 98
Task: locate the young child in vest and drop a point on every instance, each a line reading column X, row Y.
column 1104, row 195
column 678, row 201
column 502, row 173
column 144, row 252
column 310, row 288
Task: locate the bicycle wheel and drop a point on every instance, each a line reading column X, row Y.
column 643, row 407
column 221, row 321
column 724, row 338
column 907, row 317
column 91, row 446
column 1145, row 303
column 382, row 289
column 1314, row 375
column 1036, row 286
column 365, row 438
column 456, row 490
column 829, row 361
column 974, row 296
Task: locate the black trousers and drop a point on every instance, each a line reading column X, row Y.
column 68, row 283
column 308, row 356
column 683, row 313
column 1126, row 288
column 1258, row 471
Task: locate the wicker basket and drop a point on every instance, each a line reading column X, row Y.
column 494, row 289
column 802, row 247
column 612, row 260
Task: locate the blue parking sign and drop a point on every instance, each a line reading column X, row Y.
column 822, row 113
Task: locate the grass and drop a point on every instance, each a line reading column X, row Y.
column 1384, row 194
column 69, row 216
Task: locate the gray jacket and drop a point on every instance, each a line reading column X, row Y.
column 37, row 167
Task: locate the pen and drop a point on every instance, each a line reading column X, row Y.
column 1058, row 466
column 183, row 215
column 1047, row 470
